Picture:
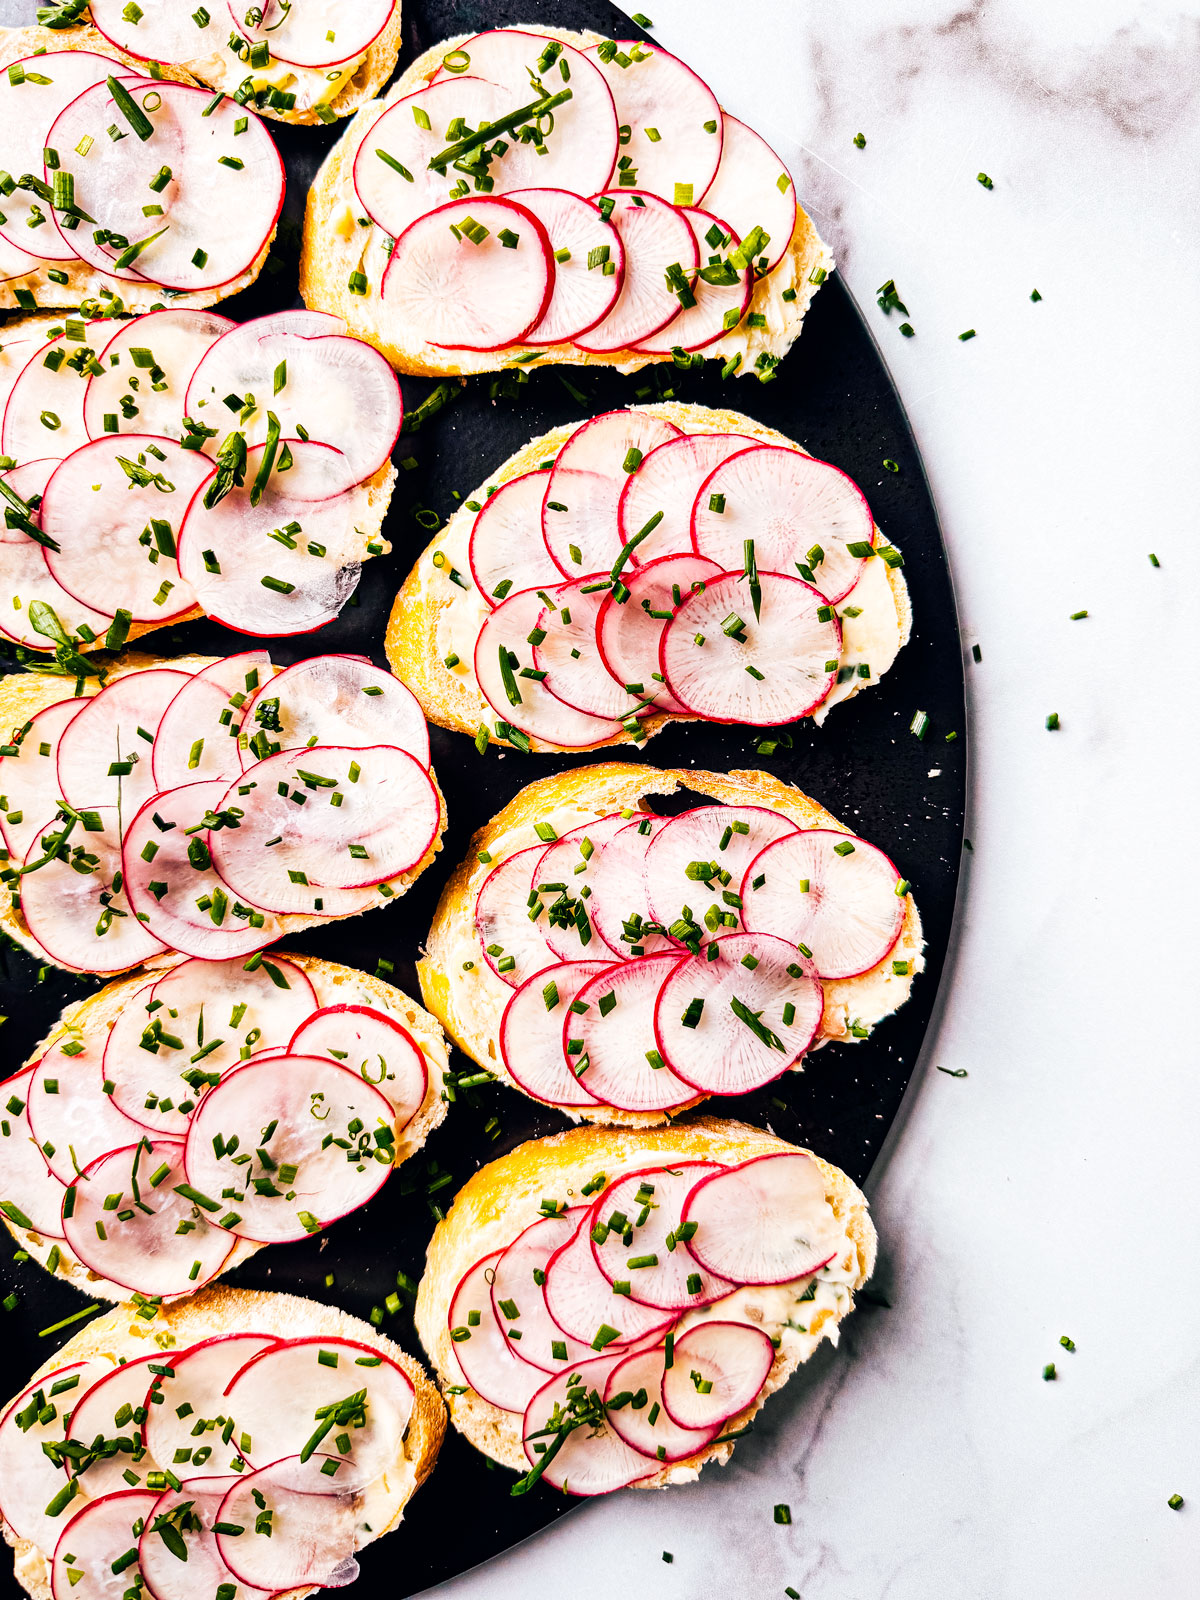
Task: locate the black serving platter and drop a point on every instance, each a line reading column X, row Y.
column 833, row 394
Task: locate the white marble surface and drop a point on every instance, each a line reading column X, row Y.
column 1057, row 1188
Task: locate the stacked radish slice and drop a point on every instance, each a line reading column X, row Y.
column 193, row 810
column 191, row 1473
column 184, row 462
column 627, row 1332
column 122, row 183
column 543, row 195
column 655, row 960
column 228, row 1104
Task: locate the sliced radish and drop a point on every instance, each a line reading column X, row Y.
column 15, row 262
column 766, row 1221
column 717, row 1370
column 591, row 1458
column 634, row 1402
column 534, row 711
column 666, row 109
column 700, row 858
column 508, row 914
column 639, row 1217
column 287, row 564
column 117, row 728
column 657, row 239
column 303, row 1098
column 29, row 777
column 561, row 876
column 334, row 699
column 668, row 480
column 618, row 905
column 115, row 1396
column 147, row 366
column 582, row 1301
column 27, row 577
column 97, row 1538
column 30, row 1479
column 375, row 1046
column 277, row 1393
column 799, row 512
column 191, row 1510
column 166, row 32
column 320, row 34
column 569, row 655
column 313, row 1523
column 194, row 1383
column 466, row 288
column 579, row 513
column 829, row 893
column 74, row 909
column 771, row 669
column 136, row 1241
column 171, row 883
column 629, row 627
column 518, row 1304
column 100, row 509
column 589, row 263
column 614, row 1035
column 531, row 1033
column 26, row 1183
column 44, row 412
column 72, row 1120
column 753, row 189
column 197, row 735
column 220, row 205
column 487, row 1360
column 718, row 306
column 737, row 1022
column 507, row 550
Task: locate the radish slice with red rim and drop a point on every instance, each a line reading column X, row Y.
column 569, row 654
column 119, row 1394
column 195, row 1381
column 375, row 1046
column 800, row 512
column 27, row 578
column 718, row 306
column 525, row 703
column 518, row 1304
column 614, row 1034
column 197, row 737
column 76, row 913
column 765, row 1221
column 15, row 262
column 566, row 868
column 28, row 1187
column 476, row 274
column 191, row 1510
column 302, row 1099
column 44, row 411
column 736, row 1022
column 764, row 670
column 582, row 1301
column 666, row 109
column 313, row 1522
column 718, row 1369
column 753, row 189
column 220, row 206
column 146, row 368
column 589, row 263
column 629, row 630
column 166, row 32
column 323, row 34
column 531, row 1033
column 505, row 921
column 73, row 1121
column 657, row 239
column 117, row 728
column 618, row 904
column 29, row 1479
column 635, row 1410
column 99, row 505
column 100, row 1535
column 334, row 700
column 488, row 1361
column 827, row 893
column 638, row 1218
column 700, row 858
column 29, row 779
column 506, row 550
column 668, row 479
column 579, row 513
column 277, row 1393
column 143, row 1250
column 592, row 1458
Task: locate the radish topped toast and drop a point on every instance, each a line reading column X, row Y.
column 611, row 1308
column 236, row 1443
column 123, row 186
column 667, row 561
column 526, row 196
column 623, row 965
column 180, row 1119
column 177, row 464
column 300, row 61
column 207, row 807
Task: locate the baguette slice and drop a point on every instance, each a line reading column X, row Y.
column 470, row 1004
column 336, row 246
column 505, row 1197
column 122, row 1335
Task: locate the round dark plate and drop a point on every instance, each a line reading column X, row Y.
column 833, row 395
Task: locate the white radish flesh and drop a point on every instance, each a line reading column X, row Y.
column 336, row 699
column 629, row 630
column 107, row 1412
column 666, row 109
column 197, row 737
column 642, row 1420
column 97, row 1537
column 313, row 1524
column 717, row 306
column 565, row 870
column 29, row 777
column 487, row 1360
column 581, row 1299
column 518, row 1304
column 197, row 1378
column 766, row 1221
column 668, row 480
column 117, row 728
column 168, row 31
column 752, row 189
column 144, row 390
column 569, row 654
column 321, row 33
column 700, row 858
column 505, row 922
column 640, row 1217
column 375, row 1046
column 28, row 583
column 656, row 238
column 589, row 263
column 618, row 905
column 72, row 1120
column 203, row 1570
column 615, row 1036
column 506, row 550
column 531, row 1033
column 44, row 412
column 592, row 1459
column 29, row 1479
column 718, row 1369
column 28, row 1188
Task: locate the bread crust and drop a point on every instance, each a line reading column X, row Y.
column 504, row 1197
column 470, row 1005
column 330, row 253
column 224, row 1309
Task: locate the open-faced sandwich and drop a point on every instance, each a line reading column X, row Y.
column 623, row 964
column 235, row 1444
column 526, row 196
column 663, row 562
column 612, row 1308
